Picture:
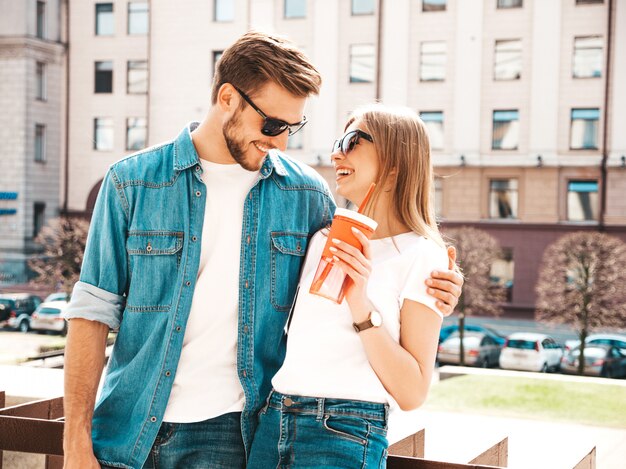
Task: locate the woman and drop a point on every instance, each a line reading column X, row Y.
column 346, row 362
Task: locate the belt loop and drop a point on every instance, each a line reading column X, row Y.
column 320, row 409
column 386, row 415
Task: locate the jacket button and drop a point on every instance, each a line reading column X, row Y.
column 197, row 168
column 248, row 240
column 188, row 283
column 167, row 373
column 245, row 329
column 194, row 238
column 198, row 193
column 246, row 284
column 153, row 419
column 178, row 328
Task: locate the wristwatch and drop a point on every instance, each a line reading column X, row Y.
column 374, row 320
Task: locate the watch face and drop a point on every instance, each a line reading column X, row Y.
column 376, row 318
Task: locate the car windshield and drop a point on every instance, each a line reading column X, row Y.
column 7, row 302
column 521, row 344
column 49, row 311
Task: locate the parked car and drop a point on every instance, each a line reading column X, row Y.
column 607, row 361
column 58, row 296
column 480, row 349
column 17, row 310
column 530, row 351
column 49, row 317
column 446, row 331
column 599, row 339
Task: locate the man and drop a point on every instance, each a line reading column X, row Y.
column 194, row 254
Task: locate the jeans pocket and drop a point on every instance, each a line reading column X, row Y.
column 287, row 254
column 349, row 428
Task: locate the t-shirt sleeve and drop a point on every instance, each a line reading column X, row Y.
column 429, row 256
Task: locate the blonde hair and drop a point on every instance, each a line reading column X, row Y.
column 403, row 150
column 256, row 58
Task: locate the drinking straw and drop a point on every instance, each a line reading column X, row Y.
column 367, row 197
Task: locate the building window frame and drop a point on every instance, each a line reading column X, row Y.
column 229, row 15
column 41, row 82
column 578, row 57
column 136, row 125
column 41, row 25
column 360, row 62
column 580, row 195
column 434, row 122
column 436, row 59
column 502, row 272
column 438, row 196
column 431, row 6
column 590, row 118
column 138, row 12
column 506, row 4
column 503, row 198
column 103, row 77
column 589, row 2
column 502, row 54
column 40, row 143
column 102, row 12
column 356, row 10
column 39, row 217
column 506, row 116
column 288, row 13
column 103, row 129
column 134, row 68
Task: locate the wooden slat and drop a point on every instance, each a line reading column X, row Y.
column 412, row 445
column 44, row 409
column 2, row 399
column 588, row 462
column 29, row 435
column 497, row 455
column 403, row 462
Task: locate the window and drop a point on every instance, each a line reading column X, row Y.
column 438, row 186
column 362, row 61
column 137, row 77
column 296, row 141
column 502, row 272
column 104, row 77
column 503, row 198
column 224, row 10
column 509, row 3
column 40, row 143
column 136, row 133
column 505, row 130
column 41, row 20
column 582, row 2
column 295, row 8
column 40, row 74
column 584, row 130
column 103, row 134
column 217, row 55
column 104, row 19
column 138, row 18
column 434, row 5
column 433, row 120
column 39, row 218
column 433, row 61
column 363, row 7
column 508, row 60
column 582, row 200
column 587, row 57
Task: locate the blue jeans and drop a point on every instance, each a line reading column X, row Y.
column 214, row 443
column 308, row 432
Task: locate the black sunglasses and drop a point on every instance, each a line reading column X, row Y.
column 350, row 140
column 272, row 126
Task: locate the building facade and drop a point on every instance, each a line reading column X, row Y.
column 32, row 104
column 524, row 100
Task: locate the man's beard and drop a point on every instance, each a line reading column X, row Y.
column 236, row 147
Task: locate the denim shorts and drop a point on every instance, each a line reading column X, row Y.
column 310, row 432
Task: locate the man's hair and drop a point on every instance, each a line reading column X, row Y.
column 256, row 58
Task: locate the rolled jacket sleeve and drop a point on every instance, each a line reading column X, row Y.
column 99, row 293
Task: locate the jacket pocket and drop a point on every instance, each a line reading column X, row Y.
column 288, row 249
column 154, row 258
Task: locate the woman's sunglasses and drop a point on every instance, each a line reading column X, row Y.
column 272, row 126
column 350, row 140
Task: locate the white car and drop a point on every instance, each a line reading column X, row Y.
column 595, row 340
column 530, row 351
column 49, row 317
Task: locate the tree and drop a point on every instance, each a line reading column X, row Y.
column 476, row 252
column 582, row 282
column 63, row 240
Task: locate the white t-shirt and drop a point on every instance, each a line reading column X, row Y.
column 206, row 384
column 325, row 355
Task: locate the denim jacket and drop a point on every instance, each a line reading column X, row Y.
column 139, row 272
